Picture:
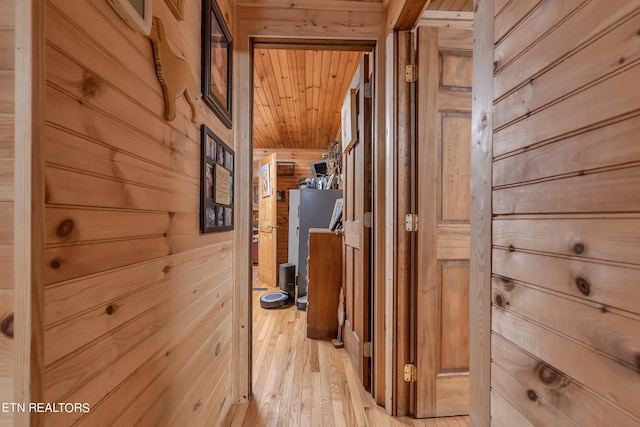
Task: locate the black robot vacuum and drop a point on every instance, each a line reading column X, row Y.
column 287, row 286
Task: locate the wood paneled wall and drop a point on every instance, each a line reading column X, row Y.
column 565, row 325
column 302, row 160
column 137, row 303
column 6, row 204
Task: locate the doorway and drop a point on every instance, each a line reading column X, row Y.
column 298, row 93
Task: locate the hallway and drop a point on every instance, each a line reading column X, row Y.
column 302, row 382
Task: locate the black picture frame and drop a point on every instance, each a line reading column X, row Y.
column 216, row 67
column 216, row 183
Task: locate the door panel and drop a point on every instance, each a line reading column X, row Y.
column 267, row 221
column 443, row 200
column 357, row 237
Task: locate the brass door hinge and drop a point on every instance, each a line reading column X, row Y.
column 410, row 373
column 411, row 222
column 410, row 72
column 366, row 349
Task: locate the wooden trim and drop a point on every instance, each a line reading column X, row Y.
column 29, row 208
column 381, row 152
column 389, row 255
column 480, row 262
column 331, row 5
column 410, row 13
column 401, row 314
column 366, row 23
column 242, row 359
column 447, row 15
column 441, row 18
column 315, row 44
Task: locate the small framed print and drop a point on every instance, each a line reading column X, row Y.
column 216, row 62
column 216, row 188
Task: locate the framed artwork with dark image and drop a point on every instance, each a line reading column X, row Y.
column 216, row 188
column 216, row 62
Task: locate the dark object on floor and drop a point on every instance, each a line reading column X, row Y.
column 301, row 303
column 287, row 286
column 274, row 300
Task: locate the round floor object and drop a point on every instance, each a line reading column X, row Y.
column 274, row 300
column 301, row 303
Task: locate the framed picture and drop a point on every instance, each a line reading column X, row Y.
column 177, row 8
column 265, row 180
column 137, row 14
column 280, row 196
column 349, row 125
column 216, row 194
column 336, row 215
column 216, row 62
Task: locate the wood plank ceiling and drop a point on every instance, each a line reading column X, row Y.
column 298, row 94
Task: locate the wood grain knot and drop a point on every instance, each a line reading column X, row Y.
column 499, row 300
column 578, row 248
column 217, row 349
column 511, row 248
column 583, row 286
column 495, row 66
column 90, row 86
column 172, row 214
column 166, row 269
column 622, row 60
column 532, row 395
column 110, row 309
column 547, row 375
column 6, row 327
column 56, row 264
column 65, row 228
column 196, row 406
column 475, row 8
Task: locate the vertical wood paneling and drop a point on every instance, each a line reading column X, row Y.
column 565, row 179
column 29, row 208
column 6, row 203
column 481, row 404
column 147, row 297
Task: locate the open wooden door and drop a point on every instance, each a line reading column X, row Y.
column 267, row 221
column 357, row 232
column 443, row 200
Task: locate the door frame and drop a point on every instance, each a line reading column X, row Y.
column 250, row 33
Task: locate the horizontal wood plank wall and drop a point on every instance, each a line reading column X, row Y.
column 6, row 203
column 137, row 303
column 566, row 231
column 302, row 160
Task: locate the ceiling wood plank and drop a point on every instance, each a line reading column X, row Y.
column 298, row 96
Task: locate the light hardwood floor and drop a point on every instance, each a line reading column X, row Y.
column 303, row 382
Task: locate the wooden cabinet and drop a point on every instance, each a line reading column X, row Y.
column 324, row 268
